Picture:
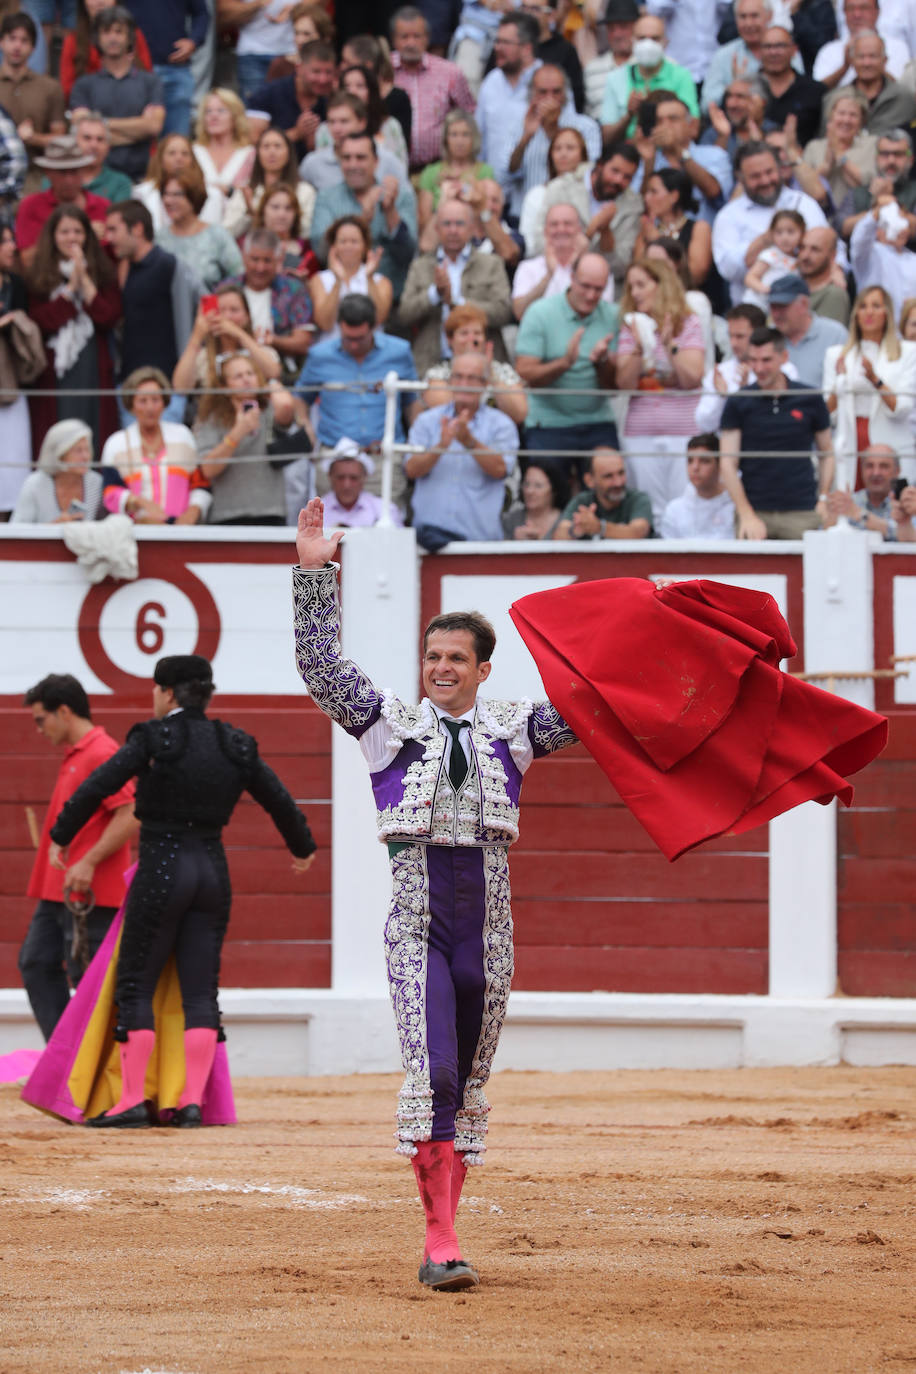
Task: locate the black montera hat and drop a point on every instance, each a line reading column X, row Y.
column 621, row 12
column 177, row 668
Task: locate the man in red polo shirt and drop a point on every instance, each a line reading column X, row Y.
column 64, row 163
column 97, row 857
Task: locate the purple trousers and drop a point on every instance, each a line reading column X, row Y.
column 448, row 945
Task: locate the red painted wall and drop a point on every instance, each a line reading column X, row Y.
column 280, row 932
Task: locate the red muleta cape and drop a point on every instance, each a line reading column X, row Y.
column 678, row 695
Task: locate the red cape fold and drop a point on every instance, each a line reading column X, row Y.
column 678, row 696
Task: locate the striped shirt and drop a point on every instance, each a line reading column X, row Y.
column 663, row 412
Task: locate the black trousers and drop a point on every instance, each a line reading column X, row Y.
column 45, row 962
column 179, row 904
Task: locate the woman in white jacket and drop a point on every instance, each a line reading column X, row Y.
column 870, row 386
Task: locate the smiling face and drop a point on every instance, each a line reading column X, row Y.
column 643, row 288
column 68, row 235
column 562, row 228
column 350, row 246
column 761, row 178
column 607, row 477
column 871, row 315
column 451, row 671
column 845, row 119
column 537, row 493
column 234, row 307
column 175, row 202
column 77, row 459
column 354, row 82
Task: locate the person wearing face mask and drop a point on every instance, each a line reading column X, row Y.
column 619, row 19
column 692, row 29
column 649, row 70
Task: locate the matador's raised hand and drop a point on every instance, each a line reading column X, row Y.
column 313, row 547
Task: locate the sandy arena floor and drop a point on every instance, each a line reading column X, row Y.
column 745, row 1221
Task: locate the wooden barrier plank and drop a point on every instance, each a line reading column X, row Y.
column 275, row 964
column 877, row 973
column 266, row 871
column 252, row 827
column 885, row 784
column 891, row 880
column 869, row 926
column 876, row 834
column 700, row 924
column 282, row 916
column 610, row 876
column 609, row 829
column 673, row 969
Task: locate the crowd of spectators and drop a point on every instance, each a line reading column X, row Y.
column 644, row 269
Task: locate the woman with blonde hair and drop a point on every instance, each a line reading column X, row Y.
column 869, row 385
column 222, row 140
column 234, row 433
column 174, row 154
column 845, row 157
column 660, row 358
column 454, row 175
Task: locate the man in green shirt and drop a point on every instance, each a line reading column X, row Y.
column 648, row 70
column 606, row 510
column 94, row 141
column 564, row 355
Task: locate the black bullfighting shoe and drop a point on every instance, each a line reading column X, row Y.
column 186, row 1118
column 130, row 1119
column 449, row 1276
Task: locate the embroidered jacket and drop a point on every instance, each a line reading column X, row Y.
column 414, row 799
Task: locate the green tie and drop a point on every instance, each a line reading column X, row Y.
column 457, row 764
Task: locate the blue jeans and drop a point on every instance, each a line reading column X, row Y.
column 177, row 90
column 250, row 72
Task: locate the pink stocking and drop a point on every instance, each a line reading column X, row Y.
column 199, row 1049
column 459, row 1173
column 432, row 1165
column 135, row 1053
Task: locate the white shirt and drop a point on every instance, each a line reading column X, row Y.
column 741, row 221
column 259, row 308
column 879, row 264
column 830, row 58
column 379, row 746
column 497, row 101
column 532, row 270
column 692, row 516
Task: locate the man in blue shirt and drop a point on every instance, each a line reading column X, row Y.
column 469, row 449
column 769, row 431
column 354, row 364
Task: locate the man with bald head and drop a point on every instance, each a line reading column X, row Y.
column 890, row 105
column 817, row 266
column 465, row 450
column 875, row 507
column 566, row 349
column 457, row 273
column 789, row 92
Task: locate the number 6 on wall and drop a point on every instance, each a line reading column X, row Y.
column 149, row 632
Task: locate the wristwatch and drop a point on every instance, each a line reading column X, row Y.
column 485, row 216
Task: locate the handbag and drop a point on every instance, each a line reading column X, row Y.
column 22, row 355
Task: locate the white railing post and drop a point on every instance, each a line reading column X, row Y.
column 392, row 400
